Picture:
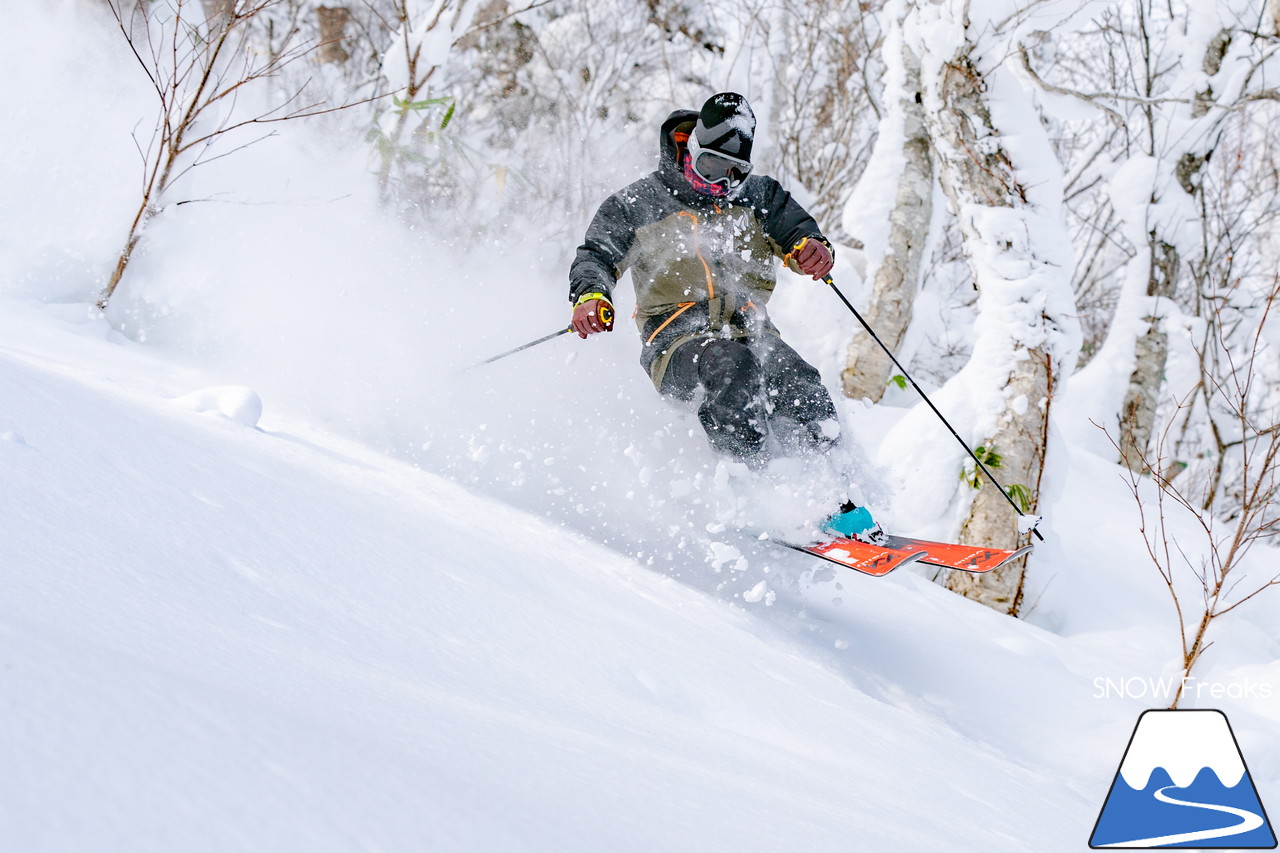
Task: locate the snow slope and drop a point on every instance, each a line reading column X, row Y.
column 219, row 636
column 224, row 637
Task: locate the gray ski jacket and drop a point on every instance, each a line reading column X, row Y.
column 701, row 266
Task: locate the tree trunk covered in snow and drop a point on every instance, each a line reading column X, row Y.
column 1161, row 208
column 977, row 175
column 1138, row 412
column 894, row 268
column 1184, row 159
column 1019, row 256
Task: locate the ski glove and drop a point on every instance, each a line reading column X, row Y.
column 592, row 313
column 810, row 256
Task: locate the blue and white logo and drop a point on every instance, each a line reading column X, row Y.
column 1183, row 783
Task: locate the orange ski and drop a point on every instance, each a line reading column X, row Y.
column 872, row 560
column 966, row 558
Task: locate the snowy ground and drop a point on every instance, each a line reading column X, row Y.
column 411, row 606
column 220, row 636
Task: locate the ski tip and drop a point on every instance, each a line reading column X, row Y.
column 982, row 562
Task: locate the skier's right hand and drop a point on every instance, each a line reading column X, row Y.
column 811, row 256
column 592, row 314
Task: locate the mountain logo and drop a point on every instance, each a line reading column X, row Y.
column 1183, row 783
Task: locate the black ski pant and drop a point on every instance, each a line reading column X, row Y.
column 753, row 387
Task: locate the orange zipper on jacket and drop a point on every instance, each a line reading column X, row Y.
column 697, row 248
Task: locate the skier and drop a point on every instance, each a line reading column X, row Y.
column 700, row 236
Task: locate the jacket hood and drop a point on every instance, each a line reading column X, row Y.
column 666, row 141
column 668, row 164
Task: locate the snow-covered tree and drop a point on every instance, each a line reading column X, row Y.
column 1003, row 184
column 1153, row 216
column 891, row 213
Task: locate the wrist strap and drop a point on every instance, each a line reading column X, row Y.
column 798, row 246
column 595, row 294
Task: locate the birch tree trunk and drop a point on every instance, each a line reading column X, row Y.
column 1193, row 132
column 1004, row 185
column 894, row 263
column 1160, row 214
column 1138, row 411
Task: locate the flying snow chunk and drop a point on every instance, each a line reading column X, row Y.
column 722, row 552
column 236, row 403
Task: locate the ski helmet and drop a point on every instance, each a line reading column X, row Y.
column 720, row 144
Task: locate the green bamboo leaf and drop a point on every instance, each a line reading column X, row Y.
column 1020, row 495
column 422, row 105
column 988, row 456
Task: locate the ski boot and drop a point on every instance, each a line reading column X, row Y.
column 855, row 522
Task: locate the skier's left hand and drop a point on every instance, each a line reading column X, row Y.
column 592, row 314
column 810, row 257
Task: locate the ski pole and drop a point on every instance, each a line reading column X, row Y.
column 925, row 397
column 604, row 313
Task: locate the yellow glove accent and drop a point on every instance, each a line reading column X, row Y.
column 587, row 297
column 789, row 260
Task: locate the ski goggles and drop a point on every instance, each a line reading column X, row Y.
column 716, row 168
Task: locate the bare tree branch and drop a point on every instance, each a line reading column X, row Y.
column 196, row 67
